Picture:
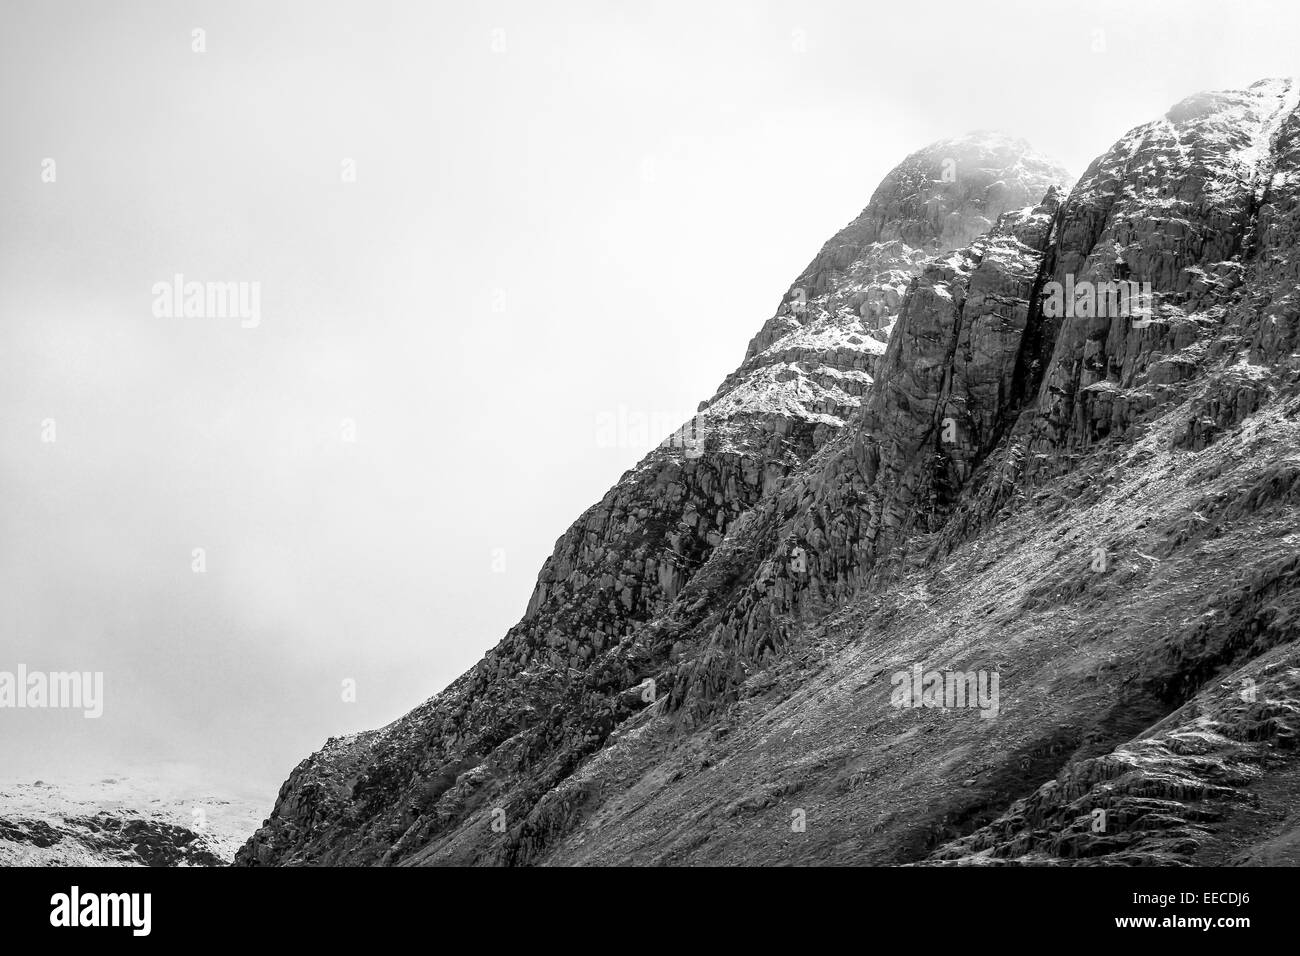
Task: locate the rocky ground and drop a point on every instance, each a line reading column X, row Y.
column 920, row 466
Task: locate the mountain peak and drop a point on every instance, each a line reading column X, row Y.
column 812, row 360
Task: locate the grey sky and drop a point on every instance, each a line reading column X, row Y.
column 559, row 210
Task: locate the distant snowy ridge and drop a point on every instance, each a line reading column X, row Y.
column 120, row 821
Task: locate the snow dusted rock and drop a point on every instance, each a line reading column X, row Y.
column 1099, row 510
column 937, row 408
column 1179, row 204
column 120, row 821
column 813, row 361
column 1161, row 799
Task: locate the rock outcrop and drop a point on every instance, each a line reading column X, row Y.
column 960, row 447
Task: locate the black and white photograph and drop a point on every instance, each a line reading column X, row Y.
column 587, row 434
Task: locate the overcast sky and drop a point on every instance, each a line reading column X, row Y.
column 559, row 210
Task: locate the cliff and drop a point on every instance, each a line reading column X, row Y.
column 927, row 463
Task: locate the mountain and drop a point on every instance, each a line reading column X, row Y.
column 987, row 553
column 120, row 821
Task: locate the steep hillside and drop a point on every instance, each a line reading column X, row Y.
column 1092, row 508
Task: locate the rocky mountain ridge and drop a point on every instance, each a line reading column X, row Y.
column 919, row 466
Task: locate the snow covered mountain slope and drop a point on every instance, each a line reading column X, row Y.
column 1031, row 594
column 120, row 821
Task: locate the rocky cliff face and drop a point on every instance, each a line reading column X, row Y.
column 931, row 464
